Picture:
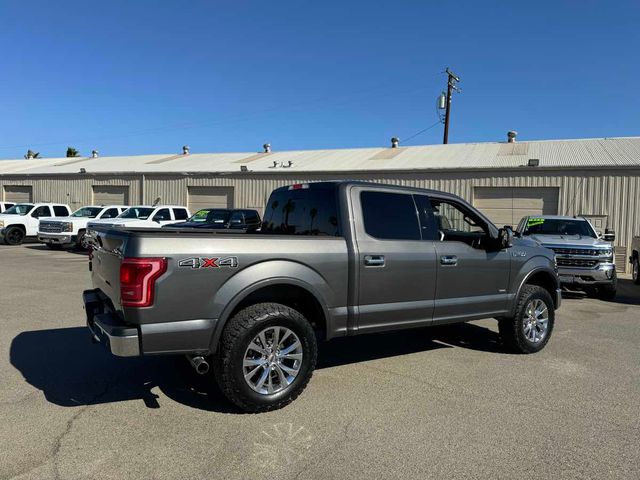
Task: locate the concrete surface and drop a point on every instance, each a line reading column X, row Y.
column 439, row 403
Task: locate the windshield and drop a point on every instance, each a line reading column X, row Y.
column 140, row 213
column 20, row 209
column 209, row 215
column 558, row 226
column 88, row 212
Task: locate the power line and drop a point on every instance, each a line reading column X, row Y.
column 420, row 132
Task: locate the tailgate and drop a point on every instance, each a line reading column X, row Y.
column 108, row 252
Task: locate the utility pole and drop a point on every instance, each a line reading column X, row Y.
column 452, row 79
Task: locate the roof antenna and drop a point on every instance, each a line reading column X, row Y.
column 156, row 202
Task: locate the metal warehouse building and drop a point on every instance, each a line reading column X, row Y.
column 596, row 178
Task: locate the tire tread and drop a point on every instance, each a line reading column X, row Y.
column 235, row 330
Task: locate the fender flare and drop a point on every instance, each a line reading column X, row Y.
column 526, row 278
column 314, row 287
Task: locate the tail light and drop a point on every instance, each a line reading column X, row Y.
column 138, row 279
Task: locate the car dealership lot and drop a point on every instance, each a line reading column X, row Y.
column 440, row 403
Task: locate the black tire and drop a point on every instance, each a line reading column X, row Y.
column 635, row 270
column 80, row 240
column 238, row 333
column 14, row 236
column 512, row 328
column 54, row 246
column 608, row 292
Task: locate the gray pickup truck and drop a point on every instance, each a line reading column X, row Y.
column 585, row 258
column 331, row 259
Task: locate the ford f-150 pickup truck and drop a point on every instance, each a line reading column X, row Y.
column 331, row 259
column 585, row 259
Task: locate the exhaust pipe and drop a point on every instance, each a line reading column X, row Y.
column 199, row 364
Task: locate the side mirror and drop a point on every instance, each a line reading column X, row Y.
column 609, row 235
column 505, row 237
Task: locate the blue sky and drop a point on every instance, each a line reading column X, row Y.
column 150, row 76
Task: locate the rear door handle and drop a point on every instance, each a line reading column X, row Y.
column 449, row 260
column 374, row 260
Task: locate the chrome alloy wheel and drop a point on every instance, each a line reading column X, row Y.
column 535, row 321
column 272, row 360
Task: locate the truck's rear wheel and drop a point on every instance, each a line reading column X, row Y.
column 529, row 330
column 14, row 236
column 266, row 357
column 635, row 270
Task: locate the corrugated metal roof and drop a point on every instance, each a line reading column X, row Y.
column 599, row 152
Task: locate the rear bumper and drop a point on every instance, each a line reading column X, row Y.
column 56, row 239
column 603, row 274
column 126, row 340
column 107, row 329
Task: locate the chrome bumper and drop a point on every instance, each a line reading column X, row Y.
column 60, row 239
column 603, row 273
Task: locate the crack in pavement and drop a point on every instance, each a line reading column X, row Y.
column 57, row 443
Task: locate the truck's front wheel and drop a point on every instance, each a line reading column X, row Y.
column 266, row 357
column 528, row 331
column 14, row 236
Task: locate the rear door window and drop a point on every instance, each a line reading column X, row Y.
column 305, row 211
column 60, row 211
column 180, row 214
column 390, row 216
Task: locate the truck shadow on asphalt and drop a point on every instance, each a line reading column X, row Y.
column 71, row 371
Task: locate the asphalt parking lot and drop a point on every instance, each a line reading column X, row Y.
column 431, row 403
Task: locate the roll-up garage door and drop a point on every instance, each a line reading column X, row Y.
column 210, row 197
column 507, row 205
column 110, row 195
column 18, row 193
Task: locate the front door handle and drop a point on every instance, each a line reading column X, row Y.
column 374, row 260
column 449, row 260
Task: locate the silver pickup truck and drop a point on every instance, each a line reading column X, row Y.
column 331, row 259
column 585, row 258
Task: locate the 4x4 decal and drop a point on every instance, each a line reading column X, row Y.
column 213, row 262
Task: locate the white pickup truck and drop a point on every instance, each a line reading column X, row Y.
column 5, row 206
column 144, row 216
column 21, row 220
column 59, row 232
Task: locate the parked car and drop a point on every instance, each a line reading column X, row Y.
column 217, row 218
column 5, row 206
column 585, row 259
column 71, row 230
column 331, row 259
column 634, row 259
column 21, row 220
column 142, row 216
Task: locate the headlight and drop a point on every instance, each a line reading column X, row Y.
column 1, row 223
column 555, row 263
column 68, row 227
column 607, row 252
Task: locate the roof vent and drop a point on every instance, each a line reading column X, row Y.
column 267, row 148
column 185, row 150
column 395, row 142
column 511, row 136
column 94, row 153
